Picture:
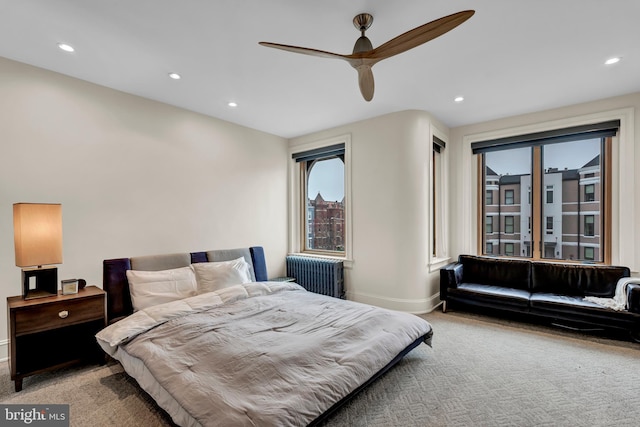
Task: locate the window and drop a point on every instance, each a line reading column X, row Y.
column 489, row 197
column 323, row 219
column 508, row 224
column 438, row 204
column 589, row 193
column 508, row 249
column 508, row 197
column 489, row 248
column 546, row 179
column 489, row 225
column 589, row 254
column 589, row 225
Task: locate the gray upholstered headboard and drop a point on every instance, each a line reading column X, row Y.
column 114, row 276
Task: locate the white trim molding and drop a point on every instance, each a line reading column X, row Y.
column 414, row 306
column 623, row 223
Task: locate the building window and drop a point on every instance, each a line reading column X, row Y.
column 489, row 248
column 548, row 169
column 509, row 249
column 589, row 225
column 489, row 197
column 589, row 253
column 589, row 193
column 489, row 225
column 549, row 225
column 508, row 225
column 508, row 197
column 323, row 213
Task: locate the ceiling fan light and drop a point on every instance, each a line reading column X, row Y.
column 232, row 104
column 612, row 61
column 175, row 76
column 458, row 99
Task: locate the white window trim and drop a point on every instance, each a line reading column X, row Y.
column 295, row 202
column 623, row 248
column 436, row 262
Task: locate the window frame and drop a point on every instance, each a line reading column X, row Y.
column 589, row 225
column 589, row 196
column 509, row 224
column 538, row 189
column 512, row 250
column 306, row 169
column 623, row 242
column 509, row 195
column 297, row 203
column 591, row 257
column 437, row 203
column 486, row 224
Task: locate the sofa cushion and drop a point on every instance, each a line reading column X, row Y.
column 576, row 279
column 490, row 295
column 575, row 306
column 507, row 273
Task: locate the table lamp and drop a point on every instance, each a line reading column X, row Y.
column 37, row 232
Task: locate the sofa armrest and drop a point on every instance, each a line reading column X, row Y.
column 450, row 277
column 633, row 297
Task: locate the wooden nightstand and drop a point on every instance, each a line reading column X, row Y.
column 52, row 332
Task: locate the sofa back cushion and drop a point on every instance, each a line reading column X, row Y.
column 508, row 273
column 576, row 279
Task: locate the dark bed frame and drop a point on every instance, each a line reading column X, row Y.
column 119, row 305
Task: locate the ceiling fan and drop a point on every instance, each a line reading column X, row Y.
column 364, row 56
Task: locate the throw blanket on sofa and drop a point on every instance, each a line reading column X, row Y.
column 262, row 354
column 619, row 301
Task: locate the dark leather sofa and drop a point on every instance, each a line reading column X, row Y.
column 546, row 290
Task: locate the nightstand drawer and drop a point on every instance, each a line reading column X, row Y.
column 58, row 314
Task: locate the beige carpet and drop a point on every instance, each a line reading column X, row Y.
column 481, row 371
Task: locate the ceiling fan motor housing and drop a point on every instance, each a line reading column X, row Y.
column 363, row 44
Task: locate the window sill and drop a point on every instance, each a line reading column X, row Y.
column 348, row 263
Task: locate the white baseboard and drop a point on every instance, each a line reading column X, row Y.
column 4, row 350
column 415, row 306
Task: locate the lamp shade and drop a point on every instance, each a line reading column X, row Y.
column 37, row 232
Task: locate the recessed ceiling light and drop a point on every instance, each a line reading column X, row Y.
column 458, row 98
column 175, row 76
column 66, row 47
column 611, row 61
column 232, row 104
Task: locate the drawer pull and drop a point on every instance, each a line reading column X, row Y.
column 63, row 314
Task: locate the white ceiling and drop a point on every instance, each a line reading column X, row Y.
column 511, row 57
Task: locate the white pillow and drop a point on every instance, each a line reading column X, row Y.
column 149, row 288
column 213, row 276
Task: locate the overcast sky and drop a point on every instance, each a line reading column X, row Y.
column 570, row 155
column 327, row 178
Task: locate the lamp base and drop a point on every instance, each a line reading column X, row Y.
column 39, row 282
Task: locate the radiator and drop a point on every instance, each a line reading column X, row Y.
column 319, row 275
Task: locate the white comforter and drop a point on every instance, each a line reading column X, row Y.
column 262, row 354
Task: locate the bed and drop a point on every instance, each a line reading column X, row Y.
column 242, row 350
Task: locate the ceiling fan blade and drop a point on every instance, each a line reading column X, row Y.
column 365, row 81
column 305, row 50
column 419, row 35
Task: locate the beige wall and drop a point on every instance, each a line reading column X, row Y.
column 139, row 177
column 626, row 179
column 389, row 179
column 134, row 176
